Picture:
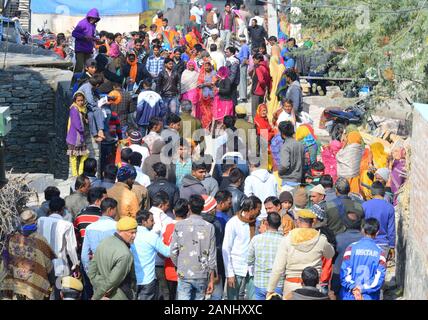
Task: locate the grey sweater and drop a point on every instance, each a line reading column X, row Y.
column 292, row 159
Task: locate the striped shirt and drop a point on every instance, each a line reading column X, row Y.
column 155, row 65
column 261, row 255
column 62, row 239
column 95, row 233
column 88, row 215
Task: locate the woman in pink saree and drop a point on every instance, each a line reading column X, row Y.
column 189, row 84
column 206, row 81
column 223, row 103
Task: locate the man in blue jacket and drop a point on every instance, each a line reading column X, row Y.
column 84, row 33
column 383, row 211
column 364, row 266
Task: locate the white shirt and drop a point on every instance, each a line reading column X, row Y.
column 198, row 13
column 235, row 247
column 262, row 184
column 62, row 239
column 142, row 178
column 141, row 150
column 161, row 222
column 219, row 59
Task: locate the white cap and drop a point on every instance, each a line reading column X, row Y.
column 318, row 189
column 214, row 32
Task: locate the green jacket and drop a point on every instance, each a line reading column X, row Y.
column 186, row 119
column 111, row 270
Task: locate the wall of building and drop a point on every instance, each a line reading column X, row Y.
column 39, row 118
column 416, row 257
column 65, row 23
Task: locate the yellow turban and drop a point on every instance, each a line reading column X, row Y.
column 354, row 137
column 302, row 132
column 126, row 224
column 306, row 214
column 72, row 283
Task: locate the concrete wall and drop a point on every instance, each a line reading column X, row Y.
column 39, row 117
column 64, row 23
column 416, row 275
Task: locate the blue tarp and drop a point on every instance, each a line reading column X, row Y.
column 81, row 7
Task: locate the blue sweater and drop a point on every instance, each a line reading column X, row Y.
column 383, row 212
column 364, row 265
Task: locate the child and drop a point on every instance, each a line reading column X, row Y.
column 76, row 134
column 96, row 115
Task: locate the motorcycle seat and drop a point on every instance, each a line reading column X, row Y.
column 343, row 114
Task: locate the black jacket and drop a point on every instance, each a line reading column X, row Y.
column 163, row 184
column 237, row 197
column 224, row 89
column 168, row 86
column 140, row 72
column 179, row 67
column 257, row 35
column 219, row 236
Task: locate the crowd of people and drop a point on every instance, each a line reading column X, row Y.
column 187, row 193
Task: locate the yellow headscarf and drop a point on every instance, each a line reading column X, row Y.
column 82, row 110
column 302, row 132
column 354, row 137
column 380, row 157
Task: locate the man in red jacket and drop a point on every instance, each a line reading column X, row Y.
column 261, row 82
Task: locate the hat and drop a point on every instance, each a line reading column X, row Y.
column 286, row 196
column 242, row 37
column 135, row 136
column 126, row 223
column 306, row 214
column 214, row 32
column 354, row 207
column 384, row 173
column 210, row 203
column 126, row 172
column 115, row 96
column 90, row 63
column 301, row 198
column 241, row 109
column 28, row 217
column 209, row 6
column 318, row 189
column 71, row 283
column 319, row 212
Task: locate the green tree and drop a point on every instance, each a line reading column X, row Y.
column 385, row 40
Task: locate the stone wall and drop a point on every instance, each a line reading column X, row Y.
column 416, row 256
column 38, row 119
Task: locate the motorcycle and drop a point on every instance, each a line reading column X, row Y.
column 335, row 121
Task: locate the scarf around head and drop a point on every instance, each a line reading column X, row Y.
column 82, row 112
column 252, row 222
column 133, row 70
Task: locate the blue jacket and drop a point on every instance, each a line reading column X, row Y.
column 149, row 105
column 383, row 212
column 364, row 265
